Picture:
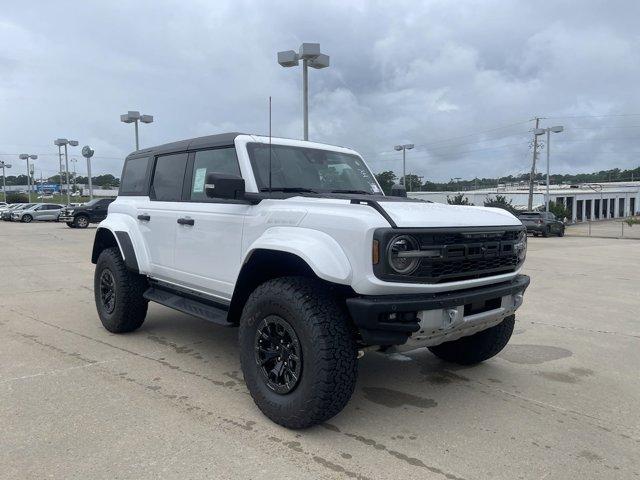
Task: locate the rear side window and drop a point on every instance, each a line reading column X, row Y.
column 134, row 176
column 221, row 160
column 168, row 177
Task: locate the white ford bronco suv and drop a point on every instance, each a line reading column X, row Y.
column 295, row 243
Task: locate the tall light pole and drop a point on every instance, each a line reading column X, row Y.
column 87, row 152
column 74, row 160
column 64, row 142
column 542, row 131
column 60, row 166
column 26, row 156
column 310, row 55
column 404, row 148
column 4, row 179
column 134, row 117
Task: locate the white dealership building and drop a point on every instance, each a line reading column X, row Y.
column 593, row 201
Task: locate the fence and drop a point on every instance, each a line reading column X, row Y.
column 619, row 228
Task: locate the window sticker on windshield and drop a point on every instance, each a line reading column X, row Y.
column 375, row 188
column 198, row 180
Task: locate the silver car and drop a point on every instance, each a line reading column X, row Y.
column 38, row 211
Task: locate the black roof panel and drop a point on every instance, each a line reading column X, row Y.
column 212, row 141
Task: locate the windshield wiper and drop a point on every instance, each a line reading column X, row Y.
column 361, row 192
column 288, row 189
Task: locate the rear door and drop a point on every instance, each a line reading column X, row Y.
column 208, row 252
column 157, row 214
column 51, row 211
column 100, row 210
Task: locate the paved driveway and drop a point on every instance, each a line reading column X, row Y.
column 168, row 401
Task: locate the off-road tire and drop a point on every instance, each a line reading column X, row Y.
column 478, row 347
column 329, row 355
column 130, row 307
column 81, row 221
column 561, row 232
column 26, row 219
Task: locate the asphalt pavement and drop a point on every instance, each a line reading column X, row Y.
column 168, row 401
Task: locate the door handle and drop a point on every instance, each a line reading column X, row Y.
column 186, row 221
column 144, row 218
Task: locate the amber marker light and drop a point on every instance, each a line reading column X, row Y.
column 375, row 252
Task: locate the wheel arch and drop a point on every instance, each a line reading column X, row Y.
column 105, row 238
column 262, row 265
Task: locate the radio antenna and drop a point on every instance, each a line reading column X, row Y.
column 269, row 144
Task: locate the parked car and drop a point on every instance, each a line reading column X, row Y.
column 81, row 216
column 38, row 212
column 542, row 223
column 295, row 243
column 6, row 215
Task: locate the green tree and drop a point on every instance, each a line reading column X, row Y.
column 413, row 184
column 386, row 180
column 458, row 199
column 559, row 210
column 500, row 201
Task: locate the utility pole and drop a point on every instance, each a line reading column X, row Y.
column 533, row 165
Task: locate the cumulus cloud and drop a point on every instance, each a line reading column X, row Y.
column 442, row 75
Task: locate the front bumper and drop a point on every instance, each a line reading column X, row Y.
column 425, row 320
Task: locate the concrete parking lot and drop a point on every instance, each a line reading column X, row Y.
column 168, row 401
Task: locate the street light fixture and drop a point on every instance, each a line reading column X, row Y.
column 26, row 156
column 134, row 117
column 4, row 179
column 310, row 55
column 64, row 142
column 404, row 148
column 548, row 131
column 87, row 152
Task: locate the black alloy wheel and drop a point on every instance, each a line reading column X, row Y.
column 107, row 291
column 278, row 354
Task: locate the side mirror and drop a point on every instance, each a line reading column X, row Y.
column 220, row 185
column 398, row 191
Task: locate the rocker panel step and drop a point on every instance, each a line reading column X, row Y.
column 190, row 306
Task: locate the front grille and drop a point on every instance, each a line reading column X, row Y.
column 451, row 270
column 455, row 254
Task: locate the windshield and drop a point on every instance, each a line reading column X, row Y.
column 310, row 169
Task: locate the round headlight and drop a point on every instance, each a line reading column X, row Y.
column 521, row 246
column 398, row 254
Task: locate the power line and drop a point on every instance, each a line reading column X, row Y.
column 601, row 116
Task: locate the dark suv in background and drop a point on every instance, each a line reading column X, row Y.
column 544, row 223
column 81, row 216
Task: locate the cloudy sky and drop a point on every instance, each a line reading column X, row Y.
column 460, row 80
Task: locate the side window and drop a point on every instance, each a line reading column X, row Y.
column 168, row 177
column 134, row 176
column 221, row 160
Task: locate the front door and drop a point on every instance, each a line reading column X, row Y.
column 208, row 253
column 157, row 216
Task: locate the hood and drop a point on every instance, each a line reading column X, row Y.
column 423, row 214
